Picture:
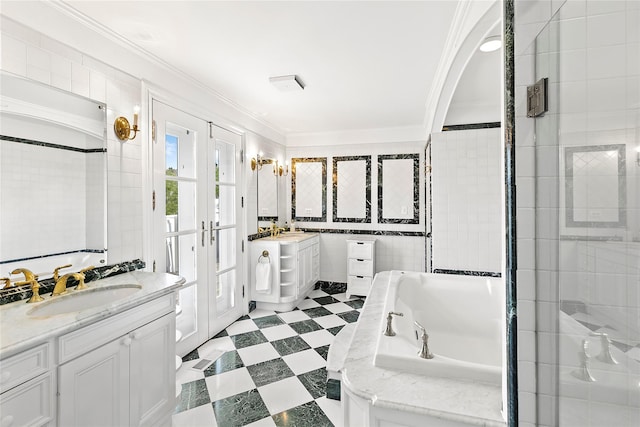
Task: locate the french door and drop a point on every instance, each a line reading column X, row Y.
column 196, row 220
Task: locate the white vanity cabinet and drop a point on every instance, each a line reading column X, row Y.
column 295, row 269
column 361, row 265
column 28, row 389
column 126, row 380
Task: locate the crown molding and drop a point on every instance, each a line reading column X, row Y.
column 357, row 136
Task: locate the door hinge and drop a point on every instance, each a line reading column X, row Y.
column 241, row 156
column 153, row 200
column 537, row 98
column 210, row 130
column 242, row 291
column 153, row 130
column 242, row 245
column 154, row 265
column 242, row 202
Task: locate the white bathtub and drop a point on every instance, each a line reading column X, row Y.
column 463, row 316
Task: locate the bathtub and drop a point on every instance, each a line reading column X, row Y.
column 463, row 316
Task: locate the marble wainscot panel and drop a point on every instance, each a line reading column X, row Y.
column 20, row 331
column 51, row 145
column 474, row 403
column 323, row 161
column 366, row 219
column 416, row 188
column 18, row 293
column 468, row 272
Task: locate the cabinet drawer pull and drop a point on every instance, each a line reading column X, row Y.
column 359, row 243
column 360, row 260
column 5, row 376
column 135, row 335
column 7, row 421
column 126, row 342
column 360, row 277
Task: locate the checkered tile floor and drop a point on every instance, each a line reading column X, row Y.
column 273, row 370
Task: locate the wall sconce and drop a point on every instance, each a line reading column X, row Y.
column 279, row 170
column 257, row 162
column 122, row 128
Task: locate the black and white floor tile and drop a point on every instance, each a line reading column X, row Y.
column 272, row 371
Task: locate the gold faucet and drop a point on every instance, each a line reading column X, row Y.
column 7, row 283
column 29, row 279
column 61, row 284
column 275, row 230
column 81, row 285
column 56, row 272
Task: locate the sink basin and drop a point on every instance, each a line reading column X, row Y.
column 82, row 300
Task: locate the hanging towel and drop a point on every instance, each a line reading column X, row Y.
column 263, row 277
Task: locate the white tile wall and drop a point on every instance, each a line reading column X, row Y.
column 28, row 53
column 466, row 194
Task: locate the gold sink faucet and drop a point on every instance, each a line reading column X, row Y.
column 61, row 284
column 29, row 279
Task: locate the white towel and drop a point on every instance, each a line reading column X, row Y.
column 263, row 277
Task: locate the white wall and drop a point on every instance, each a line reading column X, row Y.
column 466, row 200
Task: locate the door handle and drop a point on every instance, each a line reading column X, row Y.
column 212, row 236
column 204, row 232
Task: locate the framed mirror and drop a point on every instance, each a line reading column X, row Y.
column 398, row 188
column 309, row 189
column 53, row 174
column 352, row 189
column 595, row 186
column 267, row 192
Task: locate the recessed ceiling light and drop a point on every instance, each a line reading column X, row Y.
column 491, row 43
column 287, row 83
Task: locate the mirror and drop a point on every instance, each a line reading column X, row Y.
column 398, row 188
column 53, row 167
column 352, row 189
column 595, row 186
column 267, row 192
column 309, row 189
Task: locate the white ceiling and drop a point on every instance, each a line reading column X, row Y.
column 366, row 65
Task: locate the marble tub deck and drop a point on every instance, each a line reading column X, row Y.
column 468, row 402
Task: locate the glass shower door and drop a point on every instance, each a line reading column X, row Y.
column 588, row 213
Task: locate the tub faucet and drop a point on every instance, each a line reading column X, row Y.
column 424, row 348
column 389, row 331
column 582, row 372
column 605, row 348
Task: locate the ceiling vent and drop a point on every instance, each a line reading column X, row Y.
column 290, row 83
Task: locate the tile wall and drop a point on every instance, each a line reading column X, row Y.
column 466, row 200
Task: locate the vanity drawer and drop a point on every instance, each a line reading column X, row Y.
column 360, row 267
column 360, row 250
column 358, row 285
column 24, row 366
column 30, row 404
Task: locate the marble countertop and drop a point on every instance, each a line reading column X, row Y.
column 467, row 402
column 288, row 237
column 19, row 331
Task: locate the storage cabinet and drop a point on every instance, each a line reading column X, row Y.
column 295, row 269
column 361, row 265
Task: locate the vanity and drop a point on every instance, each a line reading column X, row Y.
column 61, row 364
column 294, row 260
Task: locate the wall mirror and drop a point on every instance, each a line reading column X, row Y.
column 398, row 188
column 53, row 167
column 595, row 186
column 309, row 189
column 352, row 189
column 267, row 193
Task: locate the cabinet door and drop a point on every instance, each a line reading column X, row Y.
column 29, row 404
column 94, row 388
column 152, row 377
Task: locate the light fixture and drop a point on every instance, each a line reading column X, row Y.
column 279, row 170
column 257, row 162
column 491, row 44
column 122, row 128
column 289, row 83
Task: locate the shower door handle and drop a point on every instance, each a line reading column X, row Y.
column 212, row 236
column 204, row 233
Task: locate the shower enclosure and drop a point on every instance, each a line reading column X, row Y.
column 587, row 178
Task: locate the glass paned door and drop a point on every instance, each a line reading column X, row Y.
column 224, row 160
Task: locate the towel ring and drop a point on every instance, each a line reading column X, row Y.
column 265, row 254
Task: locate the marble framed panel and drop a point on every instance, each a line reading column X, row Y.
column 595, row 186
column 267, row 192
column 352, row 189
column 398, row 188
column 309, row 189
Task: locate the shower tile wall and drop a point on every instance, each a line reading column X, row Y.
column 30, row 54
column 593, row 101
